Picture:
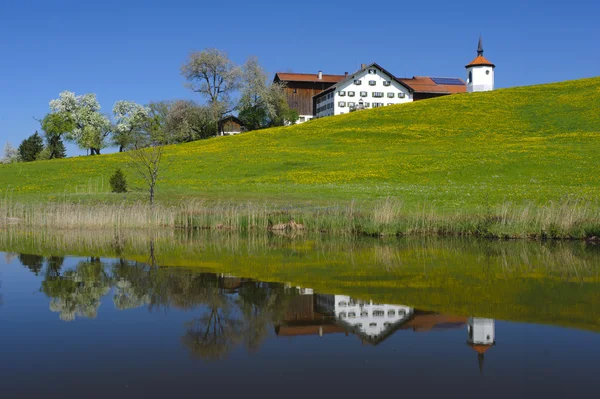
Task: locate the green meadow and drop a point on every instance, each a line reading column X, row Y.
column 475, row 154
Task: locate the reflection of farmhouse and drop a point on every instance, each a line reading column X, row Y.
column 371, row 321
column 318, row 314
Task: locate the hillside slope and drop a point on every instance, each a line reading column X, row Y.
column 528, row 143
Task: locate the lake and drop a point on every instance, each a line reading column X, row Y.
column 130, row 314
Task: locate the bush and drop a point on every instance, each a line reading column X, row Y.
column 118, row 182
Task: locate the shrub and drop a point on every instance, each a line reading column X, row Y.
column 118, row 182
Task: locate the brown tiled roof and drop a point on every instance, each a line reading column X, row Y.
column 481, row 349
column 424, row 84
column 291, row 331
column 422, row 322
column 480, row 60
column 307, row 77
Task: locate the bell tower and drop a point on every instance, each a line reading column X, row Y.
column 480, row 72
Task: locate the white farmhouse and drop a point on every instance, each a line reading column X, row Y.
column 373, row 86
column 370, row 87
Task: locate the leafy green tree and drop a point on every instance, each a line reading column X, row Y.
column 31, row 147
column 262, row 104
column 35, row 263
column 55, row 126
column 186, row 121
column 118, row 182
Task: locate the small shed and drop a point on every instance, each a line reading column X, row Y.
column 231, row 125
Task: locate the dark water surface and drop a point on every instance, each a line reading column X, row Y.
column 87, row 327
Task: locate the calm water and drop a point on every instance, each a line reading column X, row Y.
column 73, row 327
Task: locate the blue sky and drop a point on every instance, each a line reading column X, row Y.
column 132, row 50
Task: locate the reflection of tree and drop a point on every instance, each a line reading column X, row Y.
column 35, row 263
column 78, row 291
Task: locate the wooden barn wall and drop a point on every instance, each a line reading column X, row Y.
column 301, row 99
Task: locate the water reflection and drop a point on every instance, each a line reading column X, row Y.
column 230, row 311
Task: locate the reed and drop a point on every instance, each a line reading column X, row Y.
column 567, row 219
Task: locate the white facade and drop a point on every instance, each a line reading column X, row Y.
column 480, row 78
column 369, row 88
column 481, row 331
column 371, row 319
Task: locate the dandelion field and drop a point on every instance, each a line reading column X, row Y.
column 469, row 152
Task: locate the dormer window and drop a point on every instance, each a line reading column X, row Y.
column 372, row 71
column 342, row 93
column 387, row 83
column 358, row 82
column 372, row 83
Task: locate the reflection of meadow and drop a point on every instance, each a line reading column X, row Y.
column 546, row 282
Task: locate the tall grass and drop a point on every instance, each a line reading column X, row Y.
column 568, row 219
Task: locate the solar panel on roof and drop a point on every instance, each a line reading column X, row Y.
column 447, row 81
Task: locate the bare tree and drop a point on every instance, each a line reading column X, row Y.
column 211, row 74
column 146, row 163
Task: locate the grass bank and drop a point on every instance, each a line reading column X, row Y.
column 568, row 219
column 457, row 153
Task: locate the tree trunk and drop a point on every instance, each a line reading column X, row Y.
column 152, row 194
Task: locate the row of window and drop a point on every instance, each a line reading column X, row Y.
column 352, row 104
column 376, row 94
column 358, row 82
column 376, row 313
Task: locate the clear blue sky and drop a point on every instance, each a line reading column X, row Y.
column 132, row 50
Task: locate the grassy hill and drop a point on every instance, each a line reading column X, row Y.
column 535, row 143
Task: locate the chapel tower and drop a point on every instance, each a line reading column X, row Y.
column 480, row 72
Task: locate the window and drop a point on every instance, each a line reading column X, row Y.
column 351, row 315
column 352, row 104
column 372, row 324
column 358, row 82
column 295, row 91
column 372, row 71
column 329, row 96
column 391, row 95
column 363, row 93
column 342, row 93
column 372, row 83
column 401, row 313
column 487, row 72
column 342, row 315
column 342, row 304
column 375, row 105
column 401, row 95
column 377, row 94
column 350, row 94
column 387, row 83
column 302, row 119
column 391, row 313
column 470, row 79
column 342, row 104
column 364, row 313
column 378, row 313
column 367, row 105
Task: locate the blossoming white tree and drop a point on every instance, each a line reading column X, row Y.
column 131, row 119
column 90, row 128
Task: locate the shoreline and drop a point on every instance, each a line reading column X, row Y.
column 568, row 220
